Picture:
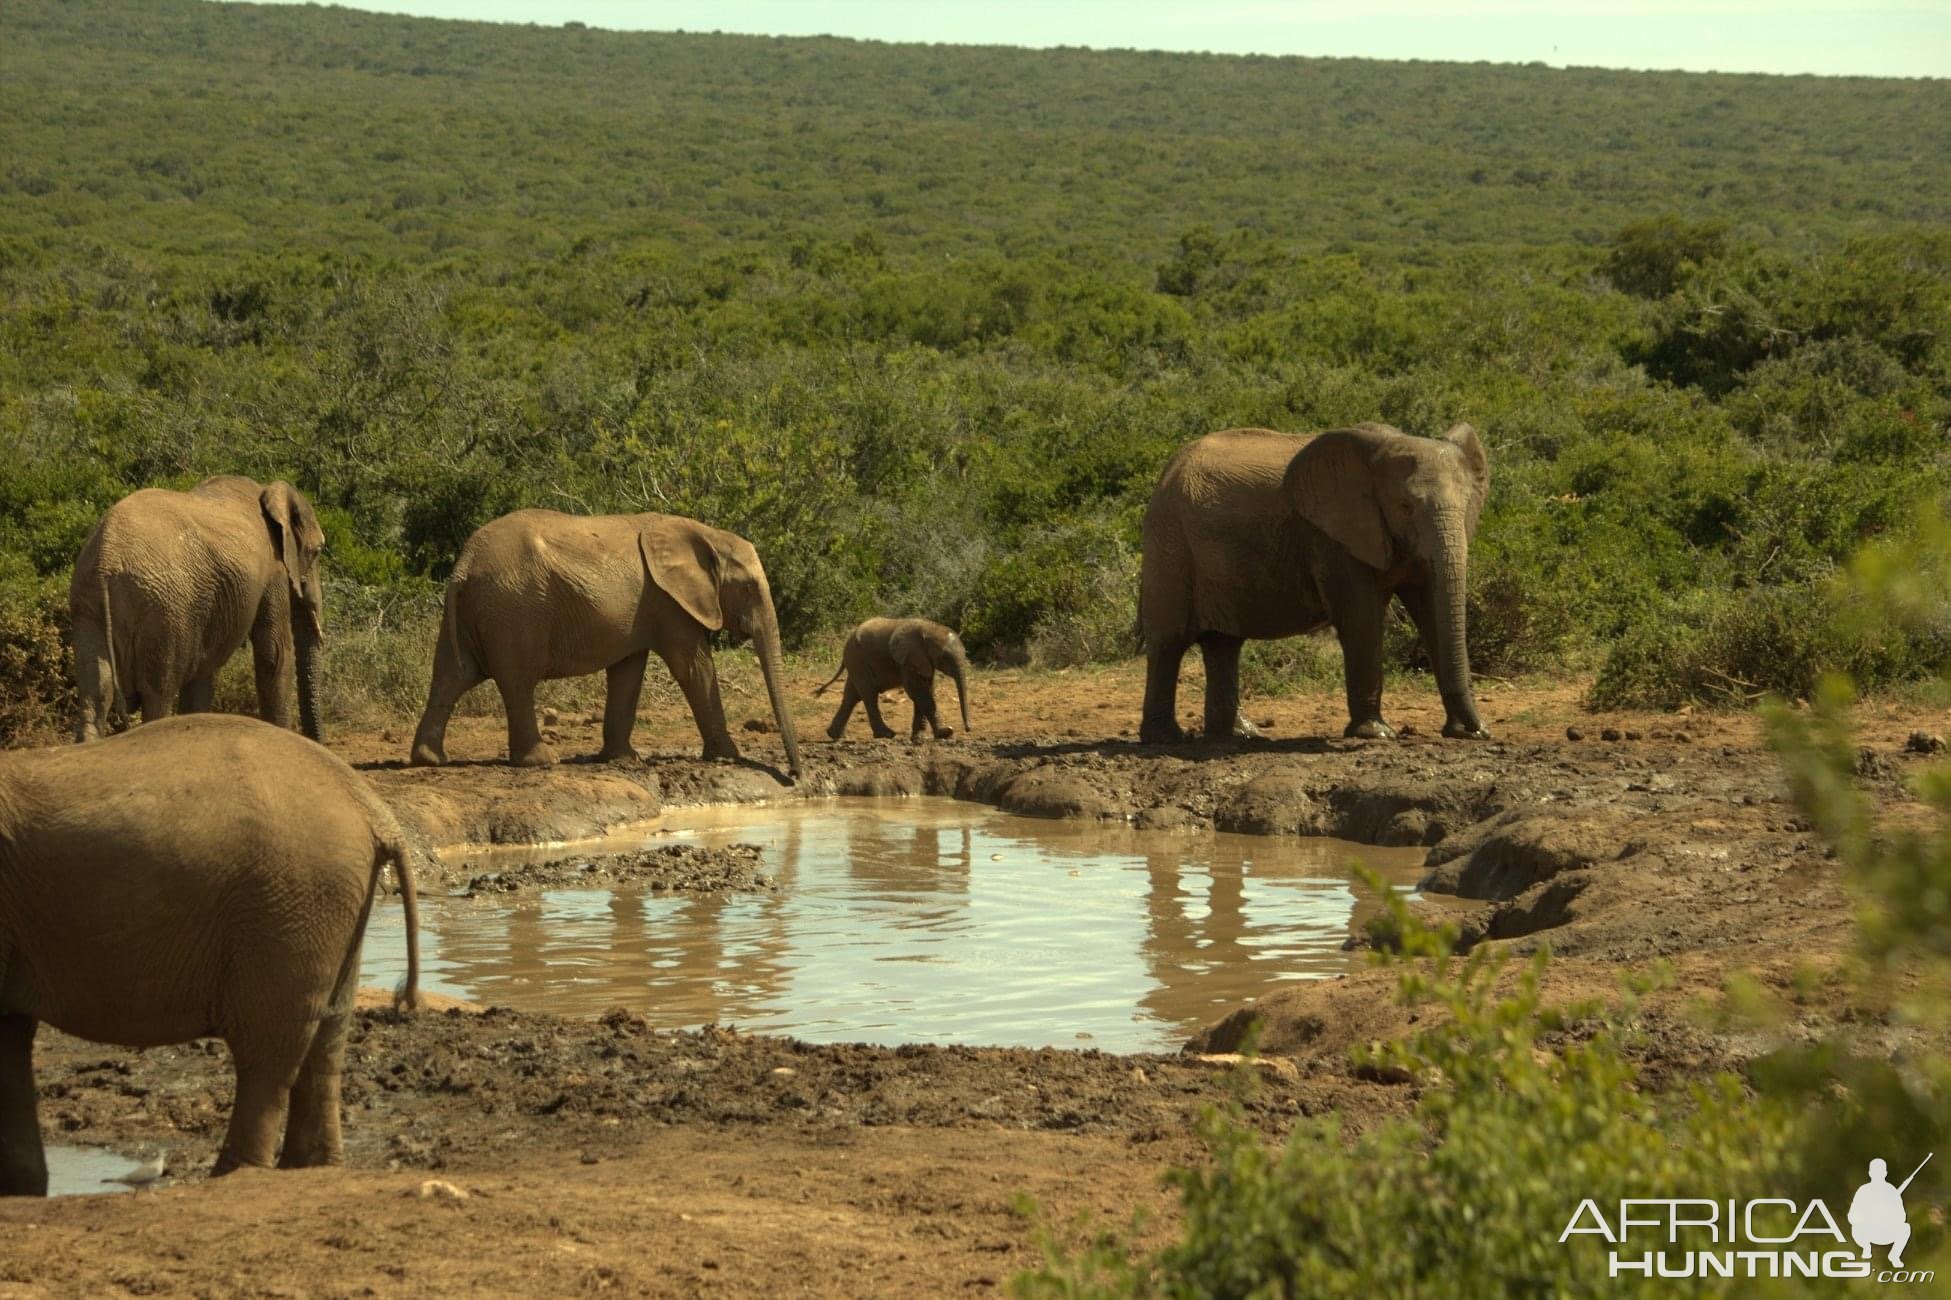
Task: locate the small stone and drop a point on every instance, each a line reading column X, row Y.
column 1610, row 733
column 591, row 1158
column 1923, row 742
column 551, row 718
column 1138, row 1075
column 759, row 725
column 1573, row 733
column 1682, row 738
column 1265, row 722
column 435, row 1189
column 784, row 1072
column 1632, row 735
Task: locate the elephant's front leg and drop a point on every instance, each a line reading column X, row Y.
column 1460, row 720
column 1357, row 609
column 697, row 677
column 625, row 682
column 525, row 747
column 23, row 1161
column 921, row 690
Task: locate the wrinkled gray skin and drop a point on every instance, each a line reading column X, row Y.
column 196, row 877
column 1257, row 534
column 170, row 584
column 883, row 653
column 538, row 595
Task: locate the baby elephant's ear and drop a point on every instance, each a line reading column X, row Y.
column 684, row 564
column 905, row 646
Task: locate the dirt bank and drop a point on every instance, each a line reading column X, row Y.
column 597, row 1155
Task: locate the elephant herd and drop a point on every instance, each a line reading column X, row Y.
column 212, row 876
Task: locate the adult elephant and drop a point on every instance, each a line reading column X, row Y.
column 169, row 586
column 1257, row 534
column 201, row 877
column 537, row 595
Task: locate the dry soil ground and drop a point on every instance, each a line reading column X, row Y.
column 507, row 1153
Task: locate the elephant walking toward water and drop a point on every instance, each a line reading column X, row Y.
column 883, row 653
column 169, row 586
column 1253, row 534
column 537, row 595
column 196, row 877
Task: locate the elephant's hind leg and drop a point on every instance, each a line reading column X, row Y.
column 23, row 1161
column 196, row 694
column 1223, row 719
column 848, row 698
column 94, row 681
column 1160, row 724
column 313, row 1135
column 624, row 684
column 525, row 747
column 452, row 678
column 268, row 1057
column 871, row 698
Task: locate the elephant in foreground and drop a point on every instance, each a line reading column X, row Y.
column 1257, row 534
column 170, row 584
column 883, row 653
column 537, row 595
column 197, row 877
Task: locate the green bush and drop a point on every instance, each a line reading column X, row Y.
column 1737, row 648
column 37, row 698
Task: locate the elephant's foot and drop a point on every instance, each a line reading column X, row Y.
column 1369, row 729
column 1161, row 733
column 625, row 753
column 884, row 733
column 724, row 751
column 833, row 733
column 1458, row 729
column 426, row 755
column 536, row 755
column 945, row 733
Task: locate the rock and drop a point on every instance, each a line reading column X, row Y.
column 1610, row 733
column 1274, row 804
column 1526, row 848
column 1042, row 792
column 1278, row 1066
column 783, row 1072
column 1682, row 738
column 1573, row 733
column 551, row 718
column 1923, row 742
column 758, row 725
column 1632, row 735
column 435, row 1189
column 1169, row 818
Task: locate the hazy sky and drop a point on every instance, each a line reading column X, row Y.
column 1892, row 38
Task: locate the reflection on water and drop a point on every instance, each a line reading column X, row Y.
column 79, row 1171
column 919, row 920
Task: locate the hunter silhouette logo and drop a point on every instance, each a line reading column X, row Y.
column 1876, row 1216
column 1766, row 1237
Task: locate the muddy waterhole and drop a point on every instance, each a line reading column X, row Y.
column 912, row 920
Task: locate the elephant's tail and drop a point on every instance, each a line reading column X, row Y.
column 118, row 704
column 394, row 850
column 838, row 673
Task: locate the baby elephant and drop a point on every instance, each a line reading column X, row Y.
column 883, row 653
column 200, row 876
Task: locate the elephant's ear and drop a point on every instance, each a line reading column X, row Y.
column 684, row 563
column 909, row 650
column 1330, row 483
column 295, row 533
column 1477, row 461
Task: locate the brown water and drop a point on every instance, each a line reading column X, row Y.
column 917, row 920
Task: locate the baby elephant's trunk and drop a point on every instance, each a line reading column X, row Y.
column 958, row 669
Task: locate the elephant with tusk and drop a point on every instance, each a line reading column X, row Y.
column 883, row 653
column 1257, row 534
column 538, row 595
column 170, row 585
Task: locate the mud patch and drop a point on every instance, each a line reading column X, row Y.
column 667, row 868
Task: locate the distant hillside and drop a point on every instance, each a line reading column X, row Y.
column 924, row 322
column 173, row 123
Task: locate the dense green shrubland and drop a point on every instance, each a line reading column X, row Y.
column 924, row 323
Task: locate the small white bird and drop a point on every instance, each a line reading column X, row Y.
column 143, row 1174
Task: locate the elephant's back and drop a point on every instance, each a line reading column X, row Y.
column 1217, row 555
column 535, row 539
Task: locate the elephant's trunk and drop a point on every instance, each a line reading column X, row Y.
column 765, row 642
column 958, row 671
column 1450, row 586
column 307, row 639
